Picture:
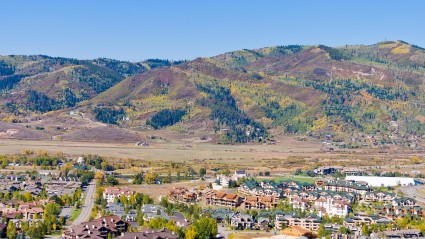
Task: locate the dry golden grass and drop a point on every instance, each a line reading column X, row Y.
column 288, row 155
column 250, row 235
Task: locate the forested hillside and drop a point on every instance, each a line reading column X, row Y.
column 348, row 96
column 41, row 83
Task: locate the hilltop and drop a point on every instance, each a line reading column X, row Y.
column 350, row 96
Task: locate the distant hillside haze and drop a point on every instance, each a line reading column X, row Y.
column 346, row 93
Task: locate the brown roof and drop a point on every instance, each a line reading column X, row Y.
column 220, row 194
column 267, row 199
column 231, row 196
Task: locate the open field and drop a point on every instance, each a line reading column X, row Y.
column 286, row 156
column 250, row 235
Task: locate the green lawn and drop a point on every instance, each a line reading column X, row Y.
column 74, row 214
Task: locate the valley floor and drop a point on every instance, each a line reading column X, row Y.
column 285, row 156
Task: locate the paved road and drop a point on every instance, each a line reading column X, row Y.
column 87, row 205
column 224, row 231
column 413, row 192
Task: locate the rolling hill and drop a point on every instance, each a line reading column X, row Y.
column 349, row 96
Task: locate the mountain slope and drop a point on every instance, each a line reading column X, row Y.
column 42, row 83
column 350, row 96
column 297, row 89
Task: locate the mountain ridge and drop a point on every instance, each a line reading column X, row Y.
column 347, row 92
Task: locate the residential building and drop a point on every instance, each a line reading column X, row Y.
column 183, row 195
column 332, row 207
column 97, row 229
column 359, row 187
column 326, row 170
column 239, row 174
column 285, row 220
column 265, row 202
column 410, row 233
column 221, row 199
column 152, row 211
column 111, row 193
column 241, row 221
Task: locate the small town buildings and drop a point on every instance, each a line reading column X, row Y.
column 386, row 198
column 18, row 222
column 326, row 170
column 353, row 171
column 265, row 188
column 239, row 174
column 151, row 211
column 183, row 195
column 224, row 180
column 263, row 223
column 111, row 193
column 241, row 221
column 97, row 228
column 59, row 188
column 221, row 199
column 265, row 202
column 285, row 220
column 376, row 181
column 219, row 214
column 117, row 209
column 359, row 219
column 180, row 221
column 410, row 233
column 332, row 207
column 358, row 187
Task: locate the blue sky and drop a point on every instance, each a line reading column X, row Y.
column 136, row 29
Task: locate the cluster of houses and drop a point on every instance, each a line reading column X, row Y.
column 183, row 195
column 28, row 210
column 335, row 197
column 53, row 185
column 98, row 228
column 45, row 183
column 149, row 211
column 113, row 226
column 220, row 198
column 331, row 198
column 62, row 187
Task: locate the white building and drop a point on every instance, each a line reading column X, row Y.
column 111, row 193
column 239, row 174
column 224, row 180
column 376, row 181
column 331, row 207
